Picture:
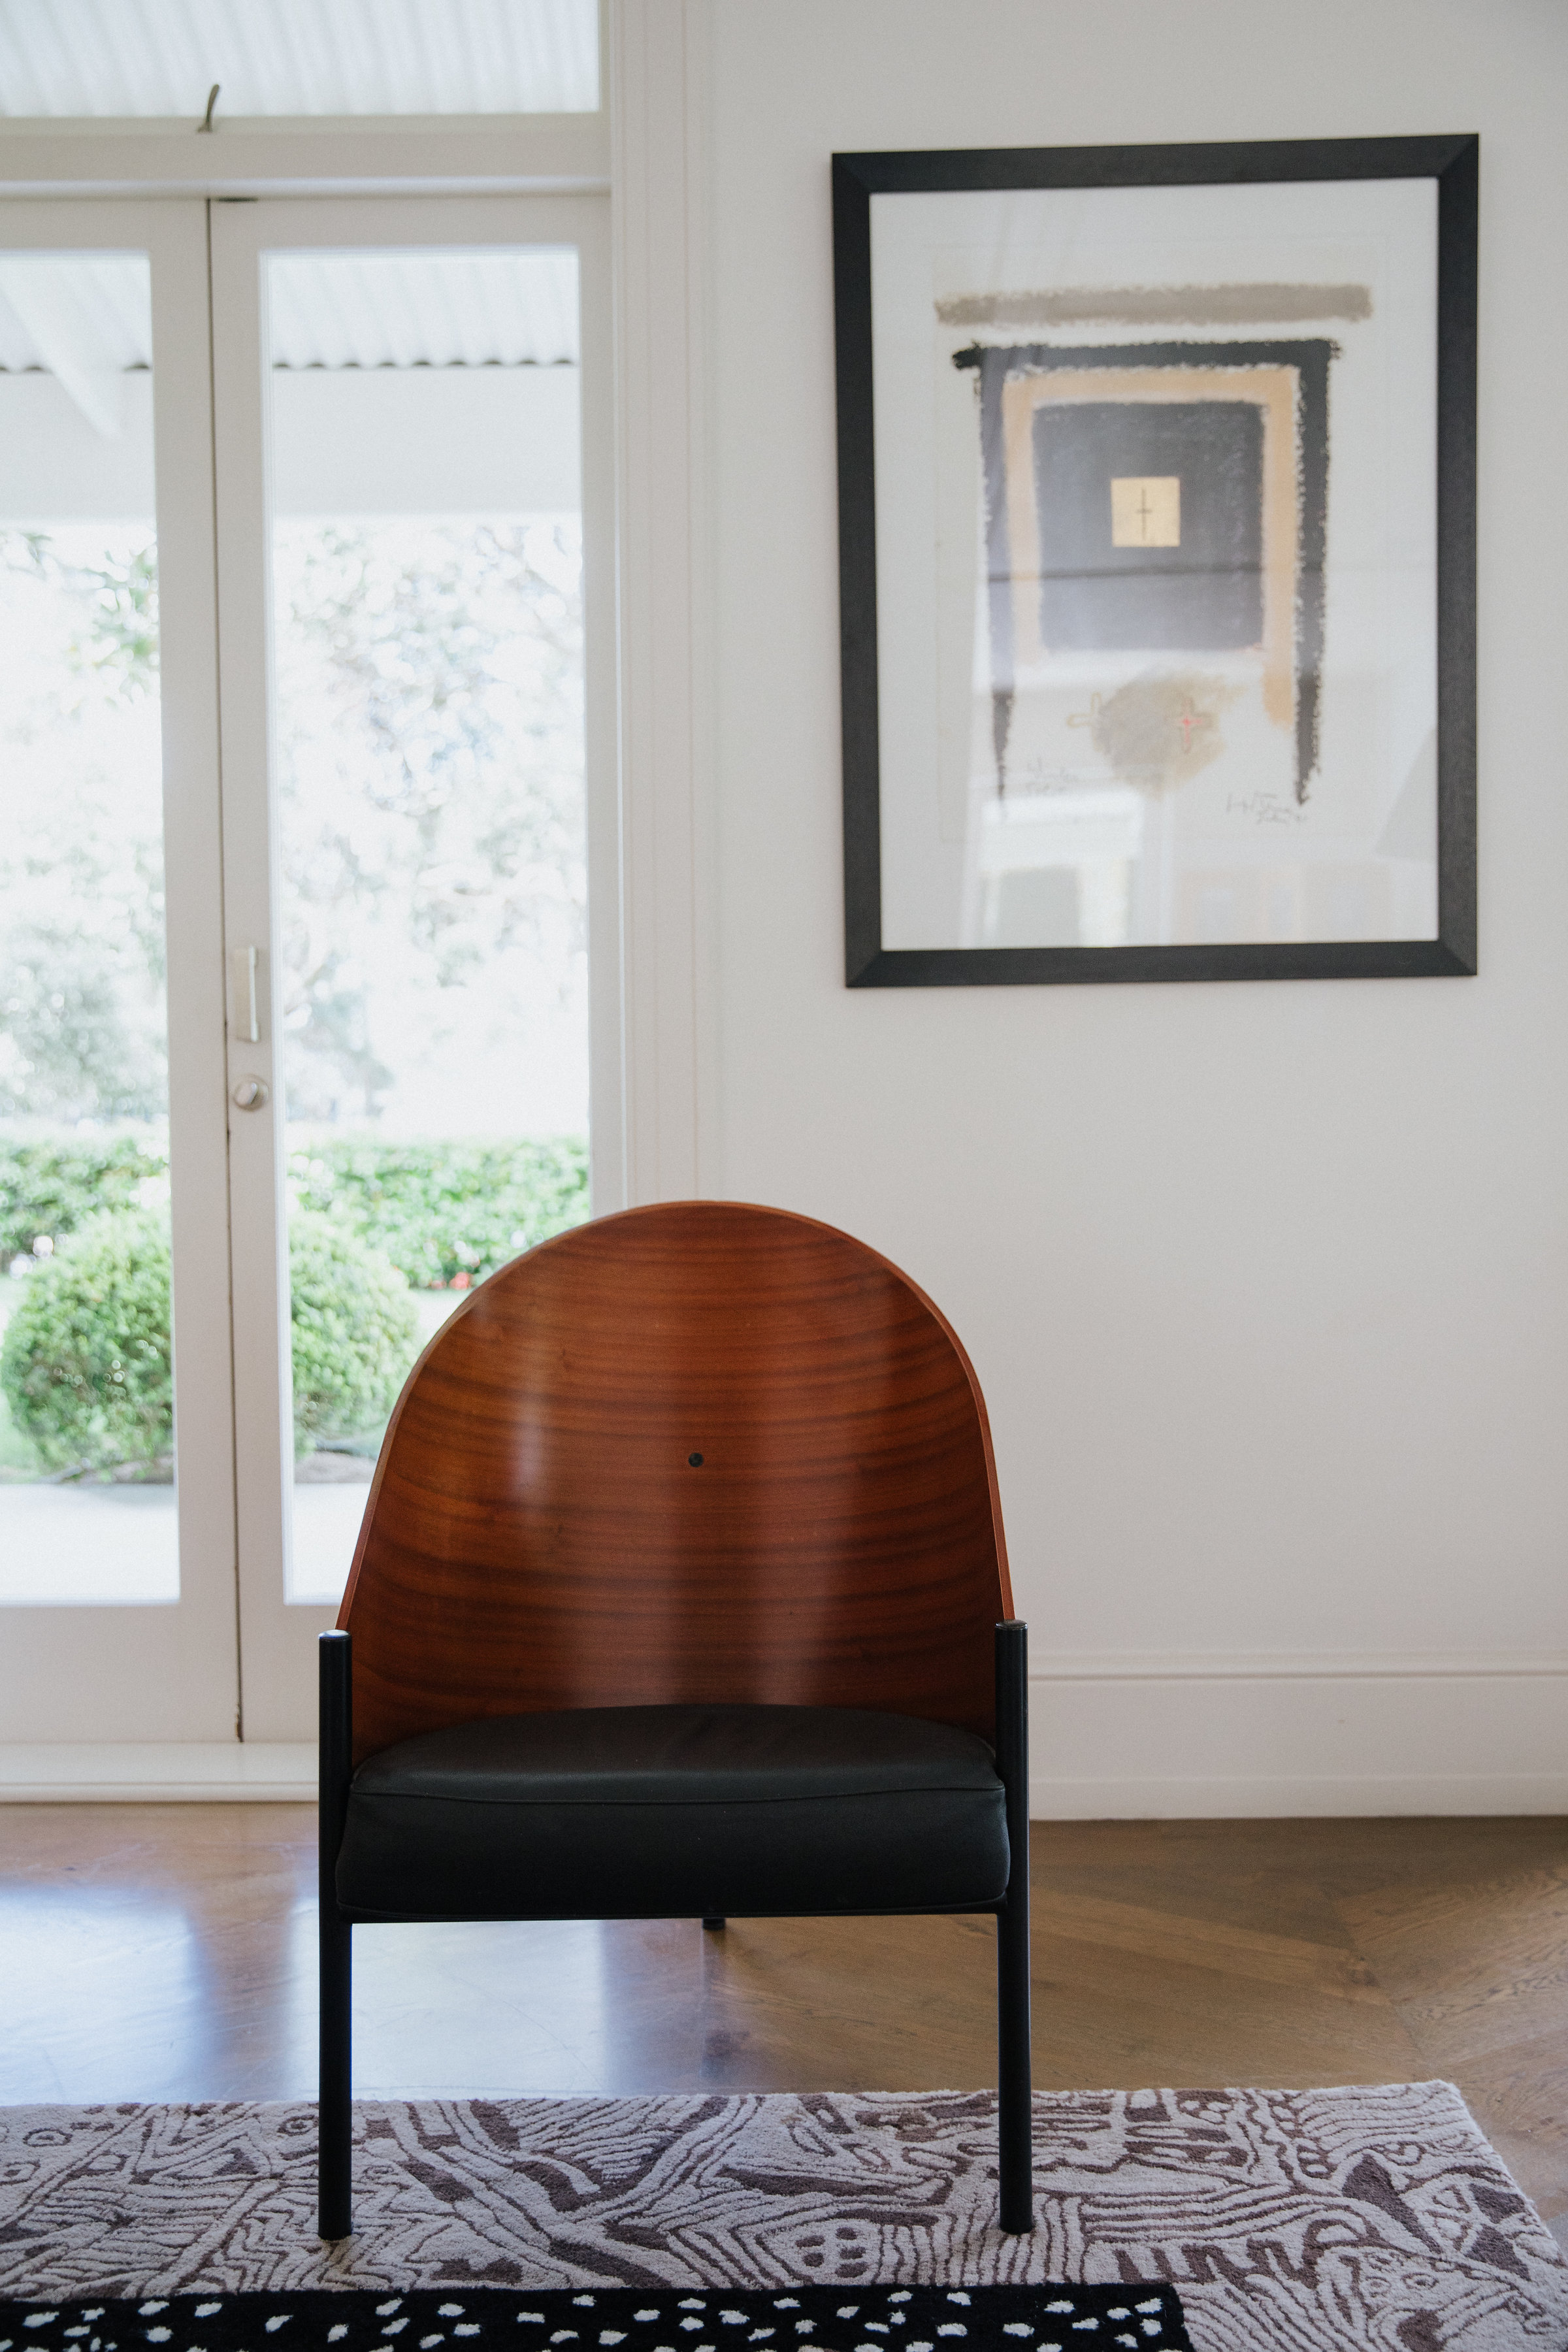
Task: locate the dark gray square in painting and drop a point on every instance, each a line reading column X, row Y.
column 1205, row 592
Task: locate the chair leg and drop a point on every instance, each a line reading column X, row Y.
column 335, row 2188
column 1014, row 2106
column 712, row 1924
column 335, row 2215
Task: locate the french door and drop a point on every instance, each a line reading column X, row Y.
column 119, row 1617
column 370, row 436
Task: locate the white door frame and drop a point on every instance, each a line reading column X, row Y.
column 646, row 149
column 277, row 1638
column 655, row 63
column 164, row 1671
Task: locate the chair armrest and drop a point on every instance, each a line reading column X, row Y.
column 1013, row 1730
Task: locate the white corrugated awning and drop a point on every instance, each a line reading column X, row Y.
column 85, row 318
column 158, row 59
column 88, row 318
column 423, row 310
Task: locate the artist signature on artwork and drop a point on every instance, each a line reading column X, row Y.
column 1035, row 776
column 1264, row 808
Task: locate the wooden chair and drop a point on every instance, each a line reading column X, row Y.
column 681, row 1592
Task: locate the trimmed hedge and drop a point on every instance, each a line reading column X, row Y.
column 86, row 1365
column 445, row 1213
column 357, row 1331
column 50, row 1185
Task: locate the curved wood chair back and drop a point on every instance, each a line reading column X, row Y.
column 695, row 1453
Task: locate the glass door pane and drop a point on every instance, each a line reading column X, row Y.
column 415, row 574
column 86, row 1405
column 114, row 1334
column 426, row 558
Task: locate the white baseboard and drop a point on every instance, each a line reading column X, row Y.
column 1138, row 1736
column 159, row 1772
column 1115, row 1736
column 1292, row 1666
column 1241, row 1797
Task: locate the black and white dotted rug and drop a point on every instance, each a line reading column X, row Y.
column 1045, row 2318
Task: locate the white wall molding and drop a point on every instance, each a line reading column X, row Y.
column 1301, row 1797
column 1133, row 1736
column 198, row 1772
column 1228, row 1735
column 159, row 1772
column 657, row 457
column 657, row 63
column 1290, row 1665
column 544, row 153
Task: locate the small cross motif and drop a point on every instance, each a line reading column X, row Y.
column 1188, row 718
column 1146, row 510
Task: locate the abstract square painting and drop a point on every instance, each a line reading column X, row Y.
column 1156, row 490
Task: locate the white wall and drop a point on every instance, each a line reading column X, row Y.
column 1266, row 1285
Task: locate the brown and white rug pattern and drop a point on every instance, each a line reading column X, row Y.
column 1288, row 2221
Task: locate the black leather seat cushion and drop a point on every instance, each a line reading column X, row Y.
column 630, row 1812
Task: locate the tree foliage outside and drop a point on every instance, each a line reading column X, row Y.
column 431, row 806
column 432, row 822
column 82, row 1031
column 111, row 642
column 433, row 961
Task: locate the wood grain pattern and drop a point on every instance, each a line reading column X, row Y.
column 699, row 1452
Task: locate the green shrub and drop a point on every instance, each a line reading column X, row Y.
column 446, row 1212
column 49, row 1185
column 355, row 1331
column 86, row 1365
column 86, row 1362
column 443, row 1213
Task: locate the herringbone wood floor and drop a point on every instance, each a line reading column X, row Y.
column 167, row 1952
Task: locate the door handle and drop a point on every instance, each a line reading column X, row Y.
column 251, row 1094
column 247, row 1015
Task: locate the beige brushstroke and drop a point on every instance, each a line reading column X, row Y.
column 1157, row 305
column 1274, row 391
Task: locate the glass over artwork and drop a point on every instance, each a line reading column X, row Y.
column 1156, row 480
column 427, row 621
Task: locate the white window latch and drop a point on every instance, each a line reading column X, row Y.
column 246, row 1017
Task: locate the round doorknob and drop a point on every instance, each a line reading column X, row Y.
column 250, row 1092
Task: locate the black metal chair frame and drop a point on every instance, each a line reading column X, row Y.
column 1016, row 2199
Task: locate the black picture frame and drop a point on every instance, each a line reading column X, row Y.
column 1453, row 163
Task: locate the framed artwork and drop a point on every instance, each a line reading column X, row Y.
column 1157, row 561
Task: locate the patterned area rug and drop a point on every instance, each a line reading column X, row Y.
column 1288, row 2221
